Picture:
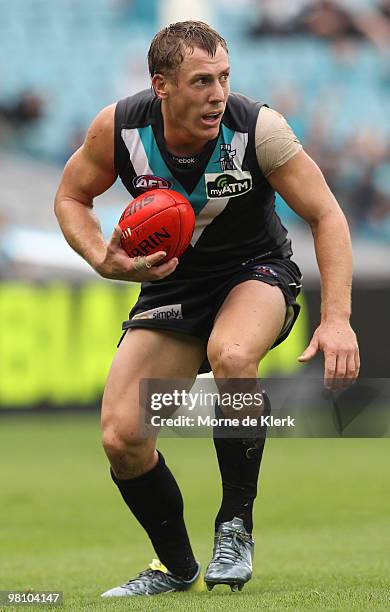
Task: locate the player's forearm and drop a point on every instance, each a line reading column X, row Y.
column 81, row 229
column 334, row 256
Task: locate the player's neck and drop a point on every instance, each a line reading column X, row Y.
column 179, row 141
column 182, row 144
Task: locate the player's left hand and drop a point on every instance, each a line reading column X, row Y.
column 337, row 340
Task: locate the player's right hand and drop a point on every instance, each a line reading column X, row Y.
column 117, row 265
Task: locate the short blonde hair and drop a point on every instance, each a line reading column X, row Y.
column 168, row 47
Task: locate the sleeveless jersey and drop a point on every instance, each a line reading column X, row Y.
column 233, row 202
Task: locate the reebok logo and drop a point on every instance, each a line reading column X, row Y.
column 173, row 311
column 184, row 160
column 228, row 186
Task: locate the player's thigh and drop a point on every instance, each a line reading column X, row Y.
column 144, row 353
column 248, row 322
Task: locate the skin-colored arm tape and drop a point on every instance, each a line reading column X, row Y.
column 276, row 143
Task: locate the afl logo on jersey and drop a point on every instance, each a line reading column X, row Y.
column 146, row 182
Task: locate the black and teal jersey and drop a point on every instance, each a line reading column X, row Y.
column 233, row 202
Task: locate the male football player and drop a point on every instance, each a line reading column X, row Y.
column 234, row 289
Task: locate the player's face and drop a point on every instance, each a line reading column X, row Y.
column 196, row 100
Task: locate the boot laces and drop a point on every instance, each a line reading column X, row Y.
column 142, row 578
column 229, row 545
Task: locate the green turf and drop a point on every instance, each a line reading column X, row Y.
column 322, row 521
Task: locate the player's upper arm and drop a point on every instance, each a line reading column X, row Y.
column 276, row 143
column 302, row 185
column 289, row 170
column 90, row 171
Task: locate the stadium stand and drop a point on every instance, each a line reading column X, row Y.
column 76, row 57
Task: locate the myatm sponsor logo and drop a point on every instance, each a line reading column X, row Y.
column 228, row 186
column 145, row 182
column 57, row 341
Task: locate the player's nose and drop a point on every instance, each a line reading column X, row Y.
column 217, row 93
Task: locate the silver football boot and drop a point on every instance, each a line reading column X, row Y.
column 155, row 580
column 232, row 556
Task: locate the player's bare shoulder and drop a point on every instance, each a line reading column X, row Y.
column 91, row 171
column 99, row 141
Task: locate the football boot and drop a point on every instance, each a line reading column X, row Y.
column 232, row 556
column 155, row 580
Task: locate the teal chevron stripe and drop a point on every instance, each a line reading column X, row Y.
column 198, row 197
column 156, row 162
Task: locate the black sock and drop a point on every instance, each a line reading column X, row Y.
column 156, row 501
column 239, row 460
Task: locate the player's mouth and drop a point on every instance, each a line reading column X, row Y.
column 212, row 119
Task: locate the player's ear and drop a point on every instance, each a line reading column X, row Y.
column 160, row 85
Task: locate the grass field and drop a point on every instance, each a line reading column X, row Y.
column 322, row 521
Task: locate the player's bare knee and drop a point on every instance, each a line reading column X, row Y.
column 232, row 361
column 119, row 448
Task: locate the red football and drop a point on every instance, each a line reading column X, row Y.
column 158, row 220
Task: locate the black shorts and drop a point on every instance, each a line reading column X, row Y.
column 189, row 306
